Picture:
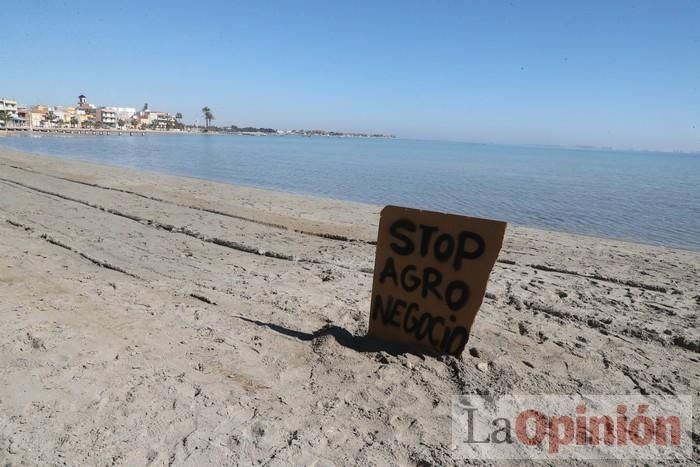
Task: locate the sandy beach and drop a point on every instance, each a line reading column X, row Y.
column 162, row 320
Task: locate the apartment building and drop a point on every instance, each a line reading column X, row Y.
column 107, row 116
column 9, row 106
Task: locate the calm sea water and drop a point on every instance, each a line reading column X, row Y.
column 643, row 196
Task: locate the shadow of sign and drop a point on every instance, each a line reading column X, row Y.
column 346, row 339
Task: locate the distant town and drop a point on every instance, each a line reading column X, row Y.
column 86, row 117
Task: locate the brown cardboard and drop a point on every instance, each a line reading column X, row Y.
column 422, row 295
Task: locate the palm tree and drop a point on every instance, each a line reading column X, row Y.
column 208, row 116
column 5, row 117
column 178, row 116
column 50, row 117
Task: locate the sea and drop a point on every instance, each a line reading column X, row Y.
column 647, row 197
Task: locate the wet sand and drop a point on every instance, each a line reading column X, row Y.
column 167, row 320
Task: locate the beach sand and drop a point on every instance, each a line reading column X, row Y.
column 156, row 319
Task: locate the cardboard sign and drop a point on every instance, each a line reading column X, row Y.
column 430, row 276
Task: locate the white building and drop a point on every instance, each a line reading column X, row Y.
column 154, row 119
column 124, row 113
column 9, row 106
column 59, row 114
column 162, row 119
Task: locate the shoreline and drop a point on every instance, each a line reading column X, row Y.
column 631, row 150
column 369, row 207
column 184, row 321
column 26, row 131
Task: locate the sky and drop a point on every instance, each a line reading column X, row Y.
column 623, row 74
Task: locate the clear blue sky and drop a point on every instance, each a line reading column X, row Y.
column 608, row 73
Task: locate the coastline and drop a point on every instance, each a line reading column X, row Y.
column 64, row 131
column 172, row 318
column 671, row 243
column 310, row 167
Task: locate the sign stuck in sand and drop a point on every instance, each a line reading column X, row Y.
column 430, row 276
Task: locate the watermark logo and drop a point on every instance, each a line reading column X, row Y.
column 572, row 427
